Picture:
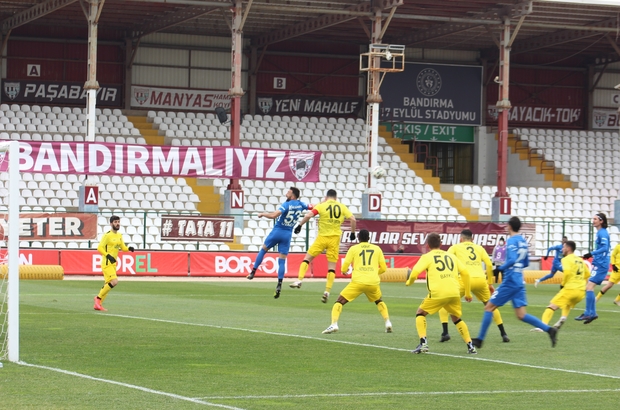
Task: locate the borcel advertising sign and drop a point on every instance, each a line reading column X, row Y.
column 433, row 94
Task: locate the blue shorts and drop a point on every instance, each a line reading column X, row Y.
column 506, row 292
column 556, row 267
column 598, row 274
column 279, row 237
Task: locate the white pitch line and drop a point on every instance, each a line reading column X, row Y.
column 531, row 366
column 412, row 393
column 131, row 386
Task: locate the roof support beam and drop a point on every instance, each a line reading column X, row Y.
column 329, row 18
column 173, row 19
column 33, row 13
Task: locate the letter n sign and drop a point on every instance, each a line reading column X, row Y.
column 504, row 206
column 236, row 199
column 91, row 195
column 374, row 202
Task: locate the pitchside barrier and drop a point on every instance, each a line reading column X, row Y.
column 36, row 272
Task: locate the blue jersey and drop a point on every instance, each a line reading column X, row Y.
column 601, row 252
column 291, row 211
column 516, row 260
column 558, row 252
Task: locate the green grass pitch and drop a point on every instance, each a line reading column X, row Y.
column 208, row 344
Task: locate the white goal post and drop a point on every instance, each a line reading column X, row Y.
column 9, row 290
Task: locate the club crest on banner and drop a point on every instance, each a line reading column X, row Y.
column 429, row 82
column 300, row 163
column 265, row 104
column 141, row 95
column 600, row 118
column 11, row 90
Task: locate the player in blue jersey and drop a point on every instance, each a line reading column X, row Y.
column 512, row 288
column 557, row 261
column 286, row 217
column 600, row 266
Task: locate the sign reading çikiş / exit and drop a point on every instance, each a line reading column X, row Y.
column 433, row 132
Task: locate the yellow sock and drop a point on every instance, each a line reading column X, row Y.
column 331, row 276
column 464, row 331
column 617, row 299
column 103, row 293
column 497, row 317
column 443, row 315
column 420, row 325
column 336, row 312
column 383, row 310
column 547, row 315
column 600, row 294
column 303, row 268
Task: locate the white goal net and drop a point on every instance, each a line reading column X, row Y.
column 9, row 251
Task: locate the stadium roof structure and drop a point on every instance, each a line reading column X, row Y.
column 562, row 30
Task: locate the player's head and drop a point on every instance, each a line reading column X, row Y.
column 599, row 220
column 514, row 224
column 466, row 235
column 115, row 222
column 502, row 241
column 568, row 248
column 293, row 193
column 331, row 193
column 434, row 241
column 363, row 235
column 564, row 239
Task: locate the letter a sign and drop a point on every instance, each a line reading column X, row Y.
column 91, row 195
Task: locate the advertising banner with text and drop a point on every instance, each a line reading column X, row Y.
column 138, row 263
column 538, row 116
column 178, row 99
column 412, row 236
column 53, row 227
column 605, row 120
column 197, row 228
column 58, row 93
column 147, row 160
column 34, row 256
column 309, row 105
column 433, row 94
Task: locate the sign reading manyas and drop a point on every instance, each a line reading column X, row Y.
column 53, row 227
column 177, row 99
column 204, row 162
column 197, row 228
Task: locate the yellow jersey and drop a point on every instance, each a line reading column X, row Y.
column 472, row 256
column 576, row 273
column 442, row 275
column 111, row 243
column 615, row 256
column 331, row 215
column 368, row 263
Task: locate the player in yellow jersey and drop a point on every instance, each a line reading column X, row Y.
column 368, row 263
column 472, row 256
column 110, row 244
column 573, row 288
column 444, row 290
column 614, row 278
column 331, row 215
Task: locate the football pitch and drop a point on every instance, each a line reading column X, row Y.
column 229, row 344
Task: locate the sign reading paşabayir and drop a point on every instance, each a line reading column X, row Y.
column 56, row 92
column 433, row 94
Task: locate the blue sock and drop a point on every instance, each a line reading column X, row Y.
column 590, row 303
column 259, row 258
column 544, row 278
column 281, row 268
column 486, row 322
column 536, row 322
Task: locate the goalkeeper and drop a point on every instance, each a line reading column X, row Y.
column 368, row 263
column 110, row 244
column 331, row 215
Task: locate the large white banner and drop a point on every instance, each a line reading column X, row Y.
column 178, row 99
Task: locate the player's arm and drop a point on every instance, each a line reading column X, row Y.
column 603, row 248
column 511, row 257
column 103, row 245
column 270, row 215
column 420, row 266
column 124, row 247
column 347, row 260
column 567, row 272
column 615, row 258
column 484, row 256
column 307, row 217
column 465, row 278
column 586, row 272
column 382, row 264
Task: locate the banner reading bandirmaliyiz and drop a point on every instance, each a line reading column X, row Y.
column 145, row 160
